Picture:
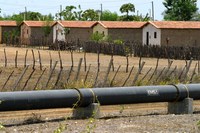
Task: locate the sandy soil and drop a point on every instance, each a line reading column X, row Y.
column 66, row 58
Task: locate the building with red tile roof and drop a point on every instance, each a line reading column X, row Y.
column 172, row 33
column 121, row 30
column 8, row 23
column 74, row 31
column 176, row 24
column 6, row 28
column 33, row 33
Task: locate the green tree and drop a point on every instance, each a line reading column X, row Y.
column 90, row 15
column 15, row 17
column 196, row 17
column 33, row 16
column 97, row 37
column 141, row 17
column 180, row 10
column 47, row 30
column 28, row 16
column 78, row 14
column 109, row 16
column 48, row 17
column 126, row 8
column 68, row 13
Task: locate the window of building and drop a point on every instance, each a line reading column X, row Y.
column 27, row 31
column 103, row 33
column 155, row 34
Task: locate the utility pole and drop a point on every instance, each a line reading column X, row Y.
column 25, row 14
column 152, row 10
column 60, row 12
column 101, row 11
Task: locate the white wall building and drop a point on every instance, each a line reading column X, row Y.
column 58, row 32
column 151, row 35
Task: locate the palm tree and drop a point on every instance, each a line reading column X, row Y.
column 68, row 13
column 79, row 13
column 129, row 7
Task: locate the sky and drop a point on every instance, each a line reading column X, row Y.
column 10, row 7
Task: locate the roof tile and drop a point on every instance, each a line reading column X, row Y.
column 122, row 24
column 36, row 23
column 8, row 23
column 77, row 24
column 176, row 24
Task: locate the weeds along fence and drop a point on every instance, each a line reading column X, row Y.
column 131, row 49
column 137, row 50
column 39, row 69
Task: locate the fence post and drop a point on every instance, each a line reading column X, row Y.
column 168, row 68
column 107, row 72
column 98, row 61
column 25, row 57
column 5, row 57
column 20, row 78
column 61, row 66
column 193, row 73
column 7, row 80
column 128, row 77
column 173, row 71
column 50, row 75
column 87, row 74
column 50, row 60
column 145, row 75
column 39, row 79
column 72, row 59
column 58, row 78
column 160, row 74
column 113, row 68
column 33, row 59
column 138, row 72
column 127, row 63
column 29, row 77
column 85, row 62
column 40, row 60
column 16, row 59
column 115, row 75
column 187, row 70
column 69, row 74
column 96, row 78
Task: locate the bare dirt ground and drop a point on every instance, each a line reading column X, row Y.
column 137, row 118
column 66, row 57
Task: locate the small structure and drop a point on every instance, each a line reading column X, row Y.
column 120, row 30
column 36, row 32
column 8, row 30
column 73, row 31
column 172, row 33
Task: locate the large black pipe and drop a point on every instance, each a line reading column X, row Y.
column 25, row 100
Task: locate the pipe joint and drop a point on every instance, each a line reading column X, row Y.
column 80, row 99
column 182, row 92
column 177, row 94
column 187, row 90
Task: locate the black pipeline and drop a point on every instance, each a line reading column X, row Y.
column 46, row 99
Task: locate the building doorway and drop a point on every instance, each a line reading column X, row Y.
column 147, row 38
